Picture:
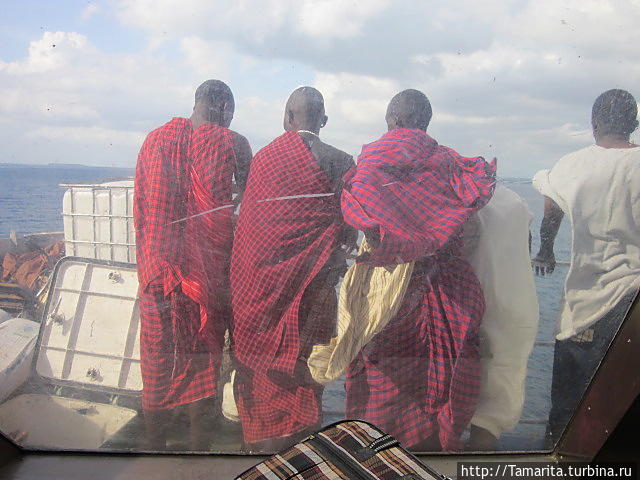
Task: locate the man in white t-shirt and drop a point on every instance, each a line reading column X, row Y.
column 598, row 187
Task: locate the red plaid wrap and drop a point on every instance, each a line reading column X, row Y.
column 420, row 375
column 208, row 232
column 175, row 369
column 289, row 225
column 180, row 345
column 159, row 200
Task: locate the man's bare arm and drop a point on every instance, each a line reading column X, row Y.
column 545, row 262
column 344, row 163
column 243, row 154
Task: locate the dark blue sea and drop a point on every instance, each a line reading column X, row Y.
column 31, row 198
column 31, row 201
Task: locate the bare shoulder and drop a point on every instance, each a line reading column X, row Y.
column 341, row 159
column 240, row 142
column 333, row 161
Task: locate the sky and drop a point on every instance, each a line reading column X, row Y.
column 85, row 81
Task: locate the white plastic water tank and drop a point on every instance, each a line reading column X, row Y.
column 4, row 316
column 17, row 342
column 98, row 221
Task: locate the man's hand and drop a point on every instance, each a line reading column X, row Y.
column 347, row 252
column 544, row 264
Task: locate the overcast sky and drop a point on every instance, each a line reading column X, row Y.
column 83, row 82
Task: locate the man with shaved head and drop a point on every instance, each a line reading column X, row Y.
column 285, row 264
column 183, row 185
column 418, row 379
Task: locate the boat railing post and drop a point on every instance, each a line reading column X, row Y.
column 126, row 212
column 95, row 237
column 73, row 221
column 111, row 247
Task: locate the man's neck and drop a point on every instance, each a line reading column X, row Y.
column 309, row 132
column 613, row 141
column 196, row 121
column 199, row 120
column 302, row 128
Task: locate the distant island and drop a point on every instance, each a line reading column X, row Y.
column 66, row 165
column 514, row 179
column 59, row 165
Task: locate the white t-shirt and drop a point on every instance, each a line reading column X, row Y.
column 508, row 330
column 599, row 190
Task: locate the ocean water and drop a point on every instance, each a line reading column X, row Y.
column 31, row 202
column 31, row 199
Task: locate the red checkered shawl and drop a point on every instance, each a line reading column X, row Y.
column 208, row 232
column 288, row 227
column 420, row 374
column 159, row 200
column 414, row 193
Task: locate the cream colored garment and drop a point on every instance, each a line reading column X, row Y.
column 502, row 264
column 229, row 407
column 599, row 190
column 369, row 298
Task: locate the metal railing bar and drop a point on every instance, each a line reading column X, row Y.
column 94, row 215
column 95, row 294
column 93, row 354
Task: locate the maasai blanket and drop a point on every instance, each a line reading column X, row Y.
column 178, row 365
column 208, row 232
column 174, row 371
column 420, row 375
column 160, row 188
column 289, row 225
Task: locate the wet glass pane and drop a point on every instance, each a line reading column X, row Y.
column 196, row 265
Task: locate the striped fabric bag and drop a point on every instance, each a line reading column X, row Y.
column 346, row 450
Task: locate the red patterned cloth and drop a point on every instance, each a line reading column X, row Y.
column 208, row 234
column 160, row 188
column 290, row 224
column 420, row 375
column 174, row 370
column 182, row 329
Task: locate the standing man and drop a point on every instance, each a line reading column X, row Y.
column 498, row 251
column 180, row 340
column 285, row 264
column 418, row 379
column 598, row 187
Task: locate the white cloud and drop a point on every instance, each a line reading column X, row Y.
column 259, row 119
column 444, row 117
column 319, row 19
column 54, row 50
column 90, row 135
column 89, row 106
column 208, row 59
column 588, row 27
column 73, row 93
column 326, row 19
column 513, row 78
column 91, row 10
column 209, row 18
column 355, row 105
